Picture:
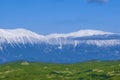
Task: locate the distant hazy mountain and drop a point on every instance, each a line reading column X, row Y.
column 22, row 44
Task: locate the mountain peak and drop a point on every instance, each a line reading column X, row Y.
column 80, row 33
column 18, row 35
column 90, row 32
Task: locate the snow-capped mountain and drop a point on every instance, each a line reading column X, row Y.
column 81, row 33
column 22, row 44
column 19, row 36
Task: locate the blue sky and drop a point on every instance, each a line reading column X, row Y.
column 62, row 16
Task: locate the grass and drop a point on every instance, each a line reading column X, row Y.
column 91, row 70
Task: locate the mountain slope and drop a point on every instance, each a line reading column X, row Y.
column 22, row 44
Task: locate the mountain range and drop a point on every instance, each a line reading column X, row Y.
column 83, row 45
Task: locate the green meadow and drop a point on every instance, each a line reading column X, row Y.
column 91, row 70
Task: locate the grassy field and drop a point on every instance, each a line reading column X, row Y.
column 92, row 70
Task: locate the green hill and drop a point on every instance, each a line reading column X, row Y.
column 92, row 70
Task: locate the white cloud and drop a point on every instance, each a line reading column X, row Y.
column 98, row 1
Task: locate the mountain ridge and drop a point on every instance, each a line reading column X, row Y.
column 24, row 36
column 79, row 33
column 21, row 44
